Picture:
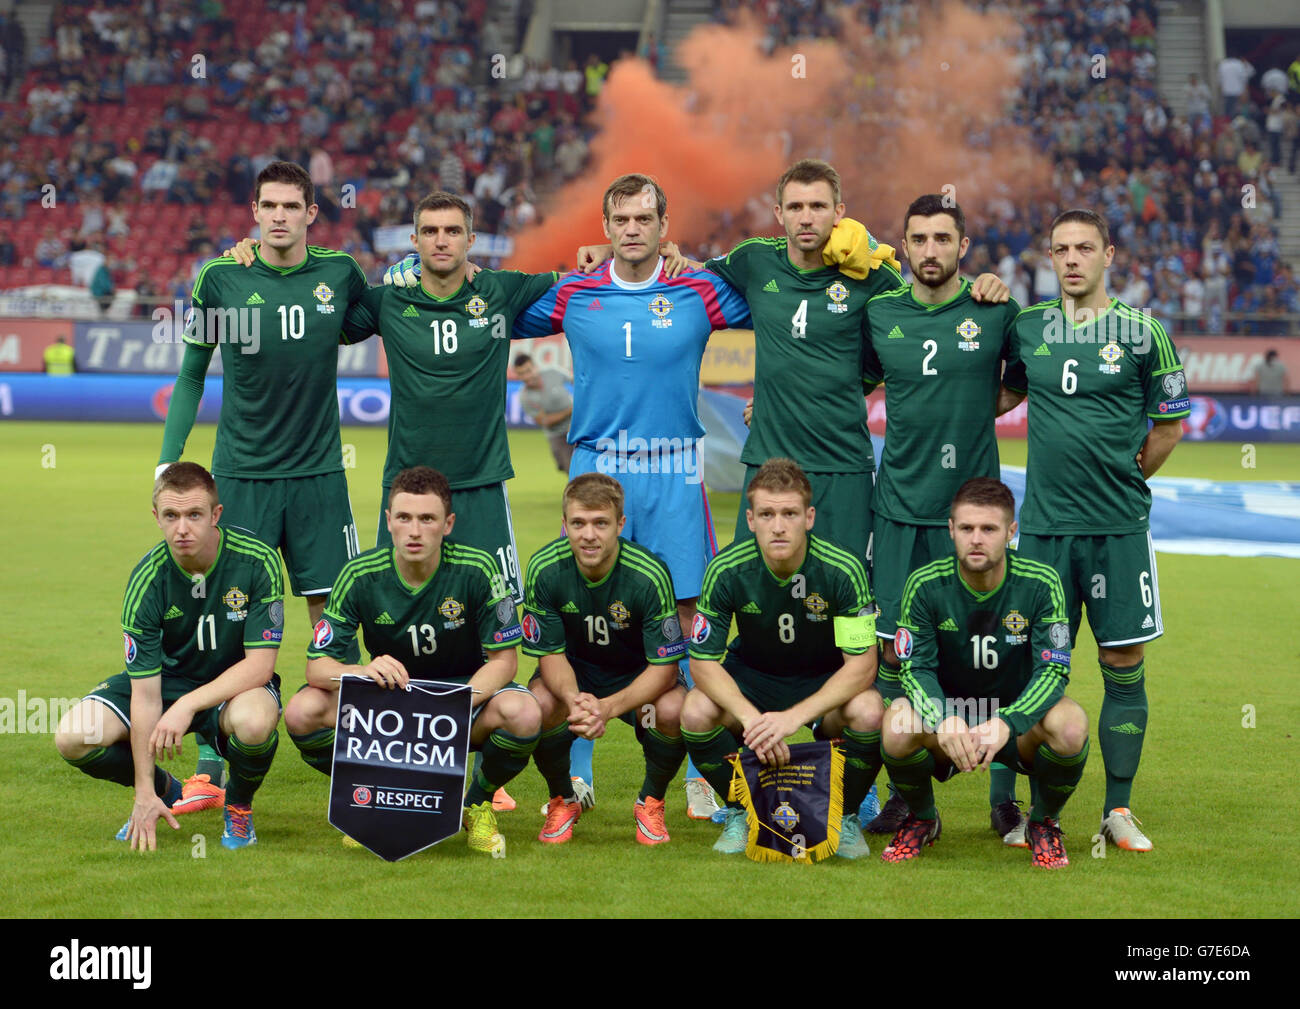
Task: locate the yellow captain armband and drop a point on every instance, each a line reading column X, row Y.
column 856, row 632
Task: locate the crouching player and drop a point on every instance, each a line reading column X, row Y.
column 201, row 622
column 977, row 629
column 429, row 608
column 601, row 618
column 804, row 653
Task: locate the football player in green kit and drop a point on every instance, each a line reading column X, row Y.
column 985, row 644
column 804, row 653
column 939, row 354
column 201, row 622
column 601, row 618
column 278, row 460
column 429, row 608
column 1097, row 371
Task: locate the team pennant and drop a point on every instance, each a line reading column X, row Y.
column 793, row 811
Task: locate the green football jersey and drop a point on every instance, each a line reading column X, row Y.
column 791, row 627
column 279, row 330
column 197, row 626
column 438, row 631
column 809, row 330
column 1010, row 646
column 620, row 624
column 941, row 365
column 447, row 363
column 1091, row 389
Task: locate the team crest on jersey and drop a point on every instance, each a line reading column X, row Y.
column 903, row 643
column 476, row 306
column 324, row 295
column 1015, row 623
column 532, row 629
column 619, row 615
column 1110, row 355
column 969, row 332
column 660, row 307
column 237, row 602
column 128, row 643
column 700, row 628
column 816, row 607
column 838, row 294
column 322, row 634
column 451, row 609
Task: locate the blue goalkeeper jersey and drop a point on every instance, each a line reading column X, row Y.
column 636, row 348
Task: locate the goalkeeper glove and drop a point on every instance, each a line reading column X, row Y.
column 404, row 274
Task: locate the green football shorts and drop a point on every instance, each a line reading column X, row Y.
column 898, row 549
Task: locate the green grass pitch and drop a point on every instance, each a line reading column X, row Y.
column 1218, row 798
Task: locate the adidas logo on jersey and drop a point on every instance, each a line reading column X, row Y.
column 595, row 306
column 948, row 624
column 750, row 607
column 1127, row 728
column 173, row 613
column 1148, row 623
column 1043, row 351
column 410, row 313
column 771, row 287
column 895, row 334
column 383, row 618
column 255, row 299
column 569, row 607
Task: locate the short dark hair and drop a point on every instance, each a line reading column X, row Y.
column 421, row 480
column 442, row 200
column 931, row 204
column 594, row 491
column 1081, row 216
column 634, row 184
column 780, row 476
column 807, row 171
column 183, row 476
column 521, row 360
column 985, row 492
column 289, row 173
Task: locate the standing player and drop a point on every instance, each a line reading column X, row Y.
column 430, row 608
column 1087, row 505
column 601, row 618
column 448, row 347
column 939, row 354
column 202, row 620
column 545, row 399
column 637, row 337
column 804, row 651
column 975, row 630
column 278, row 459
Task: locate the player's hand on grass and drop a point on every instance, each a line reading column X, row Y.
column 989, row 289
column 749, row 410
column 990, row 737
column 957, row 744
column 245, row 252
column 591, row 256
column 165, row 740
column 387, row 672
column 405, row 273
column 144, row 821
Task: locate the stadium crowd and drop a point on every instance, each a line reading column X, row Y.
column 143, row 113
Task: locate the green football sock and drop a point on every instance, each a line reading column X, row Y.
column 1122, row 727
column 552, row 759
column 663, row 756
column 317, row 749
column 1058, row 777
column 115, row 763
column 914, row 776
column 1002, row 784
column 249, row 763
column 709, row 750
column 861, row 765
column 210, row 762
column 504, row 756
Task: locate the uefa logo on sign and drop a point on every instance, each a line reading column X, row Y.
column 361, row 796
